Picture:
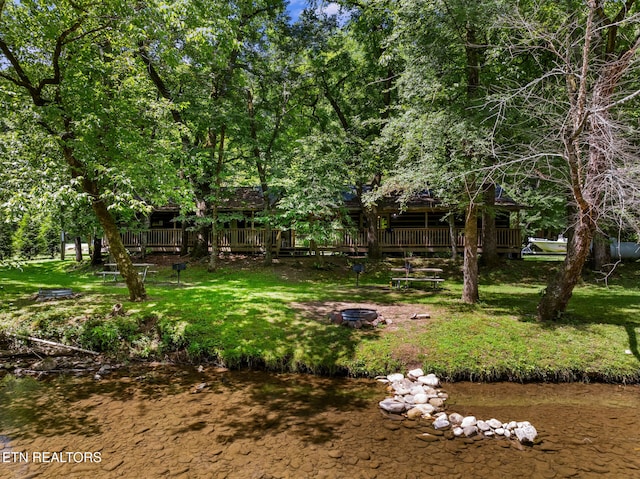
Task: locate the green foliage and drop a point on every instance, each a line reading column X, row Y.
column 108, row 335
column 6, row 241
column 49, row 236
column 25, row 238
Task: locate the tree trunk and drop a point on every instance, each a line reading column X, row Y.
column 96, row 253
column 120, row 255
column 560, row 288
column 215, row 248
column 77, row 241
column 470, row 268
column 268, row 242
column 601, row 251
column 200, row 248
column 184, row 247
column 489, row 232
column 63, row 245
column 373, row 244
column 453, row 237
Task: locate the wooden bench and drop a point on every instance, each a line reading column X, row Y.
column 109, row 273
column 116, row 273
column 408, row 279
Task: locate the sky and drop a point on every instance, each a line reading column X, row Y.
column 296, row 7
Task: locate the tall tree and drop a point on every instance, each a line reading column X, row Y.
column 69, row 68
column 356, row 77
column 588, row 58
column 443, row 143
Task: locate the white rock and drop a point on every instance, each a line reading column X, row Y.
column 392, row 406
column 512, row 425
column 415, row 373
column 507, row 433
column 468, row 421
column 441, row 422
column 455, row 418
column 500, row 431
column 430, row 380
column 426, row 409
column 489, row 433
column 470, row 431
column 395, row 377
column 400, row 388
column 483, row 426
column 420, row 399
column 429, row 391
column 458, row 431
column 415, row 390
column 526, row 433
column 494, row 423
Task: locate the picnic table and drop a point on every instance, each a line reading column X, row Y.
column 428, row 275
column 143, row 267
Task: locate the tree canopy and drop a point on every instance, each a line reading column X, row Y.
column 112, row 107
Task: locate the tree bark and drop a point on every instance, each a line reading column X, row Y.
column 489, row 232
column 120, row 255
column 96, row 253
column 374, row 251
column 601, row 251
column 453, row 237
column 77, row 241
column 470, row 267
column 560, row 289
column 200, row 247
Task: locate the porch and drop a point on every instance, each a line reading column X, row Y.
column 252, row 240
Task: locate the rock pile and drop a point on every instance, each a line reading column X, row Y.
column 417, row 396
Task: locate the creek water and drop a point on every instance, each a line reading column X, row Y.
column 157, row 422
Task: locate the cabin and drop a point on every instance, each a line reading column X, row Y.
column 421, row 227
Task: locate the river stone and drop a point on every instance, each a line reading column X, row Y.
column 426, row 409
column 494, row 423
column 526, row 434
column 414, row 413
column 429, row 380
column 436, row 402
column 395, row 377
column 507, row 433
column 512, row 425
column 415, row 373
column 441, row 422
column 428, row 437
column 420, row 399
column 415, row 390
column 483, row 426
column 458, row 431
column 468, row 421
column 400, row 390
column 499, row 431
column 470, row 431
column 455, row 418
column 392, row 406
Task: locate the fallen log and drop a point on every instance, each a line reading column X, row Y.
column 51, row 343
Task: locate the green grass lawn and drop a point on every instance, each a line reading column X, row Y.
column 246, row 314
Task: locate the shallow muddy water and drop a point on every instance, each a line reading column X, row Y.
column 157, row 423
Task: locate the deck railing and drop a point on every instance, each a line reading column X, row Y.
column 252, row 240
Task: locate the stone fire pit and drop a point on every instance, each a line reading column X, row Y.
column 357, row 318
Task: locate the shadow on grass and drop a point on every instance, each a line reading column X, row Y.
column 252, row 325
column 589, row 306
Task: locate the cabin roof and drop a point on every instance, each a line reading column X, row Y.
column 251, row 199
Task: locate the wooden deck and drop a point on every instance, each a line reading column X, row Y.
column 251, row 241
